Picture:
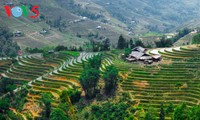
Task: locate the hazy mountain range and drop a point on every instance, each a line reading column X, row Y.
column 72, row 22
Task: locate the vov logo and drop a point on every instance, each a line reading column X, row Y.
column 18, row 11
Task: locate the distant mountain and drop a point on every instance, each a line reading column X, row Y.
column 154, row 15
column 73, row 22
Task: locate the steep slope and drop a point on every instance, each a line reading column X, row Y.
column 155, row 15
column 72, row 28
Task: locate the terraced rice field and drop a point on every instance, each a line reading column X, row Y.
column 176, row 79
column 47, row 74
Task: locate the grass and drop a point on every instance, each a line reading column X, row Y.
column 73, row 53
column 151, row 34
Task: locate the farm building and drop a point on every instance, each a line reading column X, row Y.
column 139, row 54
column 18, row 34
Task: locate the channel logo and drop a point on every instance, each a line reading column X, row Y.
column 18, row 11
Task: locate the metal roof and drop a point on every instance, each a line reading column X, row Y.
column 136, row 54
column 139, row 49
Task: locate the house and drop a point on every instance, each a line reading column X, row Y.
column 98, row 27
column 10, row 4
column 51, row 51
column 43, row 32
column 18, row 34
column 139, row 54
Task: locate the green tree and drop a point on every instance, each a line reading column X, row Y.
column 131, row 43
column 4, row 105
column 89, row 79
column 90, row 76
column 127, row 51
column 8, row 48
column 47, row 99
column 58, row 114
column 170, row 108
column 106, row 44
column 196, row 39
column 195, row 113
column 139, row 43
column 164, row 42
column 150, row 114
column 110, row 77
column 64, row 96
column 181, row 112
column 121, row 42
column 162, row 112
column 7, row 85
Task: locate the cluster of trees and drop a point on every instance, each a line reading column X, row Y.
column 196, row 39
column 100, row 46
column 64, row 111
column 65, row 48
column 34, row 50
column 8, row 48
column 56, row 49
column 6, row 113
column 7, row 85
column 110, row 77
column 123, row 43
column 164, row 42
column 181, row 112
column 110, row 111
column 91, row 75
column 181, row 33
column 12, row 100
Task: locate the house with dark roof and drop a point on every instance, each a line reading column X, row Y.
column 139, row 54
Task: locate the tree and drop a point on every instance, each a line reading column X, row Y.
column 121, row 42
column 181, row 112
column 139, row 43
column 60, row 48
column 127, row 51
column 8, row 48
column 80, row 49
column 4, row 106
column 162, row 112
column 196, row 39
column 58, row 114
column 64, row 96
column 110, row 77
column 164, row 42
column 74, row 94
column 47, row 99
column 195, row 113
column 106, row 44
column 90, row 76
column 170, row 108
column 89, row 79
column 150, row 114
column 131, row 43
column 7, row 85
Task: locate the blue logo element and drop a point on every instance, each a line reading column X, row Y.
column 16, row 11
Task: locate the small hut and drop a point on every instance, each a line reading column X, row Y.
column 18, row 34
